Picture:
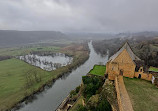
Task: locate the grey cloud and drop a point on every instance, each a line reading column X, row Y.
column 79, row 15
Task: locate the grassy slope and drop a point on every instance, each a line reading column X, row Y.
column 98, row 70
column 143, row 94
column 153, row 69
column 12, row 79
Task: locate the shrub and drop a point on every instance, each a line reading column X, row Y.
column 77, row 89
column 91, row 85
column 72, row 93
column 103, row 106
column 81, row 108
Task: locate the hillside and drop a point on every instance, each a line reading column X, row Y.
column 145, row 48
column 96, row 93
column 12, row 37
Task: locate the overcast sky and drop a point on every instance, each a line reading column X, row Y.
column 79, row 15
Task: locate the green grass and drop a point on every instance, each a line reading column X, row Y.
column 12, row 81
column 13, row 78
column 143, row 94
column 154, row 69
column 98, row 70
column 53, row 46
column 26, row 50
column 13, row 73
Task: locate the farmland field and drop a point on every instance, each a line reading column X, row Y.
column 25, row 50
column 12, row 77
column 19, row 79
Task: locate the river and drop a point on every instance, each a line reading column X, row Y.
column 50, row 99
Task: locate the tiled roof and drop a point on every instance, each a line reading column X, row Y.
column 129, row 50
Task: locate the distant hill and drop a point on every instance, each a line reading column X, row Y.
column 139, row 34
column 12, row 37
column 94, row 36
column 101, row 36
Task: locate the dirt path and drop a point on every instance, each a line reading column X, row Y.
column 125, row 100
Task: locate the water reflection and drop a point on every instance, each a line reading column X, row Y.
column 50, row 99
column 48, row 63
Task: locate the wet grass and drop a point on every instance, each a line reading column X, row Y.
column 13, row 76
column 98, row 70
column 26, row 50
column 154, row 69
column 12, row 81
column 53, row 46
column 143, row 94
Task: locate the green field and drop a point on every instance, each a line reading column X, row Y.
column 53, row 46
column 98, row 70
column 154, row 69
column 13, row 80
column 143, row 94
column 19, row 79
column 26, row 50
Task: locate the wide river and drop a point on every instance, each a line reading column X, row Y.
column 50, row 99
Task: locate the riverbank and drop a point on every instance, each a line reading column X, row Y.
column 95, row 93
column 13, row 89
column 88, row 96
column 50, row 99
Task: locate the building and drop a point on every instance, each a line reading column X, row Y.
column 126, row 63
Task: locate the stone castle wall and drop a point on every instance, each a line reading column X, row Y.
column 118, row 94
column 144, row 76
column 123, row 99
